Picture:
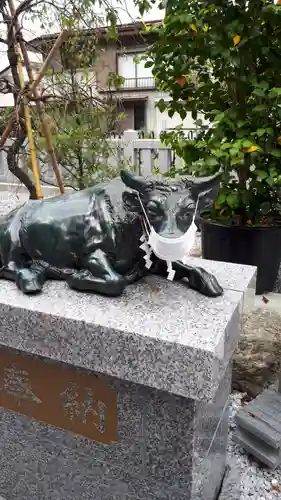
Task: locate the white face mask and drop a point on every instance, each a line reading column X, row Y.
column 172, row 249
column 169, row 249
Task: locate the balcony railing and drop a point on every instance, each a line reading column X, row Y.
column 138, row 83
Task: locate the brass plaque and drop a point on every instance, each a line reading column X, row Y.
column 58, row 396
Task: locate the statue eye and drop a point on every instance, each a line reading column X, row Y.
column 183, row 215
column 152, row 208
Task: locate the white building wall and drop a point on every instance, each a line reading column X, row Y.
column 6, row 100
column 158, row 122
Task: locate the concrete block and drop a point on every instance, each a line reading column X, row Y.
column 262, row 418
column 257, row 448
column 259, row 428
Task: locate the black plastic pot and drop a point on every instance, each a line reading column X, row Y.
column 256, row 246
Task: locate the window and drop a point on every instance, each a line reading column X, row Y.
column 134, row 71
column 143, row 72
column 127, row 66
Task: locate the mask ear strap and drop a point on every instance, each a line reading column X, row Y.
column 144, row 226
column 144, row 212
column 196, row 208
column 144, row 246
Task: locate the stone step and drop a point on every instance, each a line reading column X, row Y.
column 262, row 418
column 259, row 449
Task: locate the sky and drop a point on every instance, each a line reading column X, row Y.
column 127, row 12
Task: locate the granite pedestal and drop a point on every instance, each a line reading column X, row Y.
column 118, row 399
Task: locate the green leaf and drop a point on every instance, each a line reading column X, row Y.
column 161, row 105
column 261, row 131
column 211, row 162
column 246, row 143
column 194, row 114
column 226, row 145
column 242, row 132
column 270, row 181
column 270, row 131
column 233, row 200
column 218, row 153
column 276, row 90
column 182, row 113
column 264, row 85
column 214, row 112
column 185, row 18
column 276, row 153
column 259, row 92
column 259, row 108
column 261, row 174
column 219, row 117
column 221, row 199
column 149, row 64
column 273, row 172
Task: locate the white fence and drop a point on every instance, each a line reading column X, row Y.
column 145, row 155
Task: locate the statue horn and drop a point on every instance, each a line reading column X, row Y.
column 136, row 182
column 201, row 185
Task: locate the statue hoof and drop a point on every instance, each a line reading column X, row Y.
column 205, row 283
column 28, row 282
column 213, row 288
column 115, row 287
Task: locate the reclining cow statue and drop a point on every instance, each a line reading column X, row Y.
column 91, row 238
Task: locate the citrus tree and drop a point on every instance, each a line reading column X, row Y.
column 222, row 59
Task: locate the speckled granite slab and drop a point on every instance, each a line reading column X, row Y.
column 158, row 334
column 232, row 277
column 163, row 352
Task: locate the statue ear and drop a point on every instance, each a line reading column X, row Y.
column 131, row 201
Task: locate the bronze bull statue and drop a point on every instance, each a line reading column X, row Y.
column 91, row 238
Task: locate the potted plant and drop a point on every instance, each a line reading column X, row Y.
column 222, row 60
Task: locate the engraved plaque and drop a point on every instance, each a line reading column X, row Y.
column 59, row 396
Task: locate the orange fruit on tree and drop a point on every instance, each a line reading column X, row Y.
column 180, row 80
column 236, row 40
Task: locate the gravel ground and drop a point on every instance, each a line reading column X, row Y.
column 10, row 200
column 257, row 482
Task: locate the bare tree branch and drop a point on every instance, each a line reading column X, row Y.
column 13, row 163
